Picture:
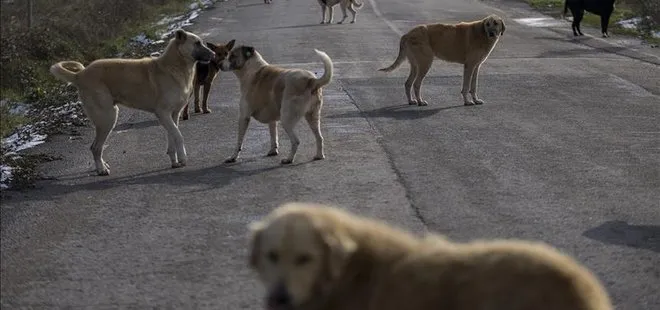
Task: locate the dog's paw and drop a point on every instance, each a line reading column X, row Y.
column 230, row 160
column 206, row 111
column 106, row 165
column 286, row 161
column 605, row 35
column 478, row 101
column 412, row 102
column 178, row 165
column 352, row 22
column 422, row 103
column 319, row 157
column 468, row 103
column 104, row 172
column 272, row 153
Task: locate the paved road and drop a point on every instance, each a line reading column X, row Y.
column 566, row 150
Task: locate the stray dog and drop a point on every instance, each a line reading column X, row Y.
column 160, row 85
column 602, row 8
column 344, row 4
column 464, row 43
column 317, row 257
column 270, row 94
column 205, row 73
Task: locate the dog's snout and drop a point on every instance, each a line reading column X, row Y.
column 279, row 296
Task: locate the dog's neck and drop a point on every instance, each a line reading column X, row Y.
column 250, row 67
column 173, row 61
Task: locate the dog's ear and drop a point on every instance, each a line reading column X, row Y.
column 230, row 44
column 180, row 35
column 212, row 46
column 503, row 26
column 256, row 230
column 340, row 247
column 248, row 51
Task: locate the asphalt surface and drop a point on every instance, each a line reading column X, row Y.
column 566, row 150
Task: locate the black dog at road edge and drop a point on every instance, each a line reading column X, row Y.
column 602, row 8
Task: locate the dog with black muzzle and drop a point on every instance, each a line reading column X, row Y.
column 466, row 43
column 271, row 94
column 205, row 74
column 160, row 85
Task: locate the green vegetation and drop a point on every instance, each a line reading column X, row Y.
column 623, row 10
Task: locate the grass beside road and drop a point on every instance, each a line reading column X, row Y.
column 622, row 11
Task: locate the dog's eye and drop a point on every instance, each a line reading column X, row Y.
column 302, row 260
column 272, row 257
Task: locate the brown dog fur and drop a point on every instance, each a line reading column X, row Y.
column 205, row 74
column 322, row 258
column 464, row 43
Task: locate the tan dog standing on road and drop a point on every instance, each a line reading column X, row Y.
column 312, row 257
column 270, row 94
column 351, row 5
column 464, row 43
column 160, row 85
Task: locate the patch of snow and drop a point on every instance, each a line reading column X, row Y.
column 630, row 23
column 5, row 176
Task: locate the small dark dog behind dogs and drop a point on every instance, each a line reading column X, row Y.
column 602, row 8
column 205, row 74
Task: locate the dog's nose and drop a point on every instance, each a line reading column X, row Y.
column 279, row 296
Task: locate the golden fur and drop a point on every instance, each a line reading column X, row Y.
column 467, row 43
column 160, row 85
column 270, row 94
column 317, row 257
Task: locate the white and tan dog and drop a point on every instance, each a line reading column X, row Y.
column 271, row 94
column 464, row 43
column 351, row 5
column 313, row 257
column 160, row 85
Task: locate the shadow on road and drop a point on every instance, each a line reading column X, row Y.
column 138, row 125
column 621, row 233
column 400, row 112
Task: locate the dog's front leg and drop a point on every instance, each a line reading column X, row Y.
column 243, row 123
column 272, row 126
column 323, row 9
column 177, row 151
column 343, row 10
column 468, row 70
column 473, row 85
column 331, row 12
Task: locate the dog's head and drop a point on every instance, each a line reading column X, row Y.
column 237, row 58
column 298, row 251
column 494, row 26
column 221, row 50
column 190, row 45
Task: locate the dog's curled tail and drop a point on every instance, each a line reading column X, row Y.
column 399, row 58
column 357, row 4
column 327, row 74
column 61, row 71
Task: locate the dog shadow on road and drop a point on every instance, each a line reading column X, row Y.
column 621, row 233
column 400, row 112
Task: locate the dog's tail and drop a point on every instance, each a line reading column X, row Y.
column 357, row 4
column 67, row 75
column 327, row 74
column 399, row 58
column 563, row 14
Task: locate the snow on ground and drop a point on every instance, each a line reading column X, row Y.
column 633, row 23
column 31, row 135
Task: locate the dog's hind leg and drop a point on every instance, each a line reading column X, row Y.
column 104, row 118
column 473, row 85
column 424, row 61
column 577, row 19
column 196, row 89
column 409, row 82
column 205, row 104
column 323, row 9
column 353, row 11
column 274, row 144
column 468, row 72
column 604, row 22
column 290, row 117
column 314, row 121
column 342, row 5
column 331, row 13
column 175, row 148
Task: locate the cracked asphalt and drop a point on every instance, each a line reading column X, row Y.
column 565, row 150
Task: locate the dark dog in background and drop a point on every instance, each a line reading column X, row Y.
column 602, row 8
column 205, row 74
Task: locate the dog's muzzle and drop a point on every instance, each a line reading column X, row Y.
column 279, row 298
column 226, row 66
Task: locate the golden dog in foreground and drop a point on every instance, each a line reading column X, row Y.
column 318, row 257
